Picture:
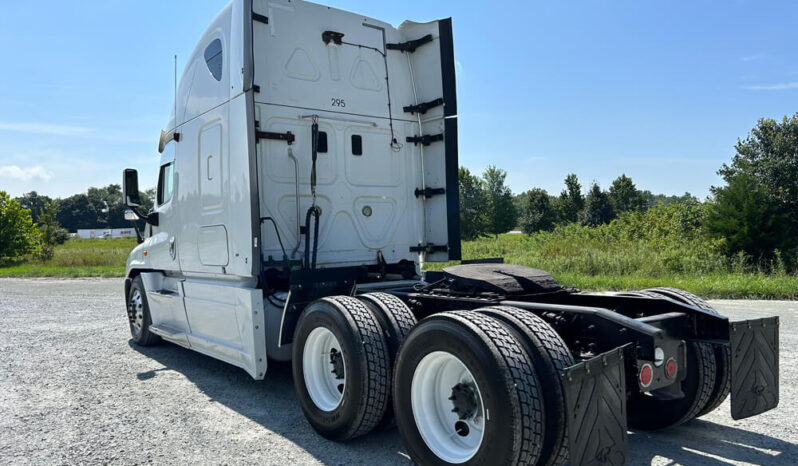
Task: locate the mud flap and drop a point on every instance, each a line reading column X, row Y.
column 595, row 403
column 755, row 366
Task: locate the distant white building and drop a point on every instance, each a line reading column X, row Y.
column 107, row 233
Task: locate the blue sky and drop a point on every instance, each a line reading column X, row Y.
column 657, row 90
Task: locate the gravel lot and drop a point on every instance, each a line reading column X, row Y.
column 74, row 390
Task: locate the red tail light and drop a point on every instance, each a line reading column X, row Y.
column 646, row 375
column 670, row 368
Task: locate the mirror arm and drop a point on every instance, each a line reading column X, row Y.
column 139, row 238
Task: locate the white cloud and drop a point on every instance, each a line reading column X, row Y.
column 15, row 172
column 773, row 87
column 43, row 128
column 758, row 56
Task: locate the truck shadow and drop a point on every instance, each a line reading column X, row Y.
column 701, row 442
column 272, row 404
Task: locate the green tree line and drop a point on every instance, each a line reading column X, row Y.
column 33, row 224
column 754, row 215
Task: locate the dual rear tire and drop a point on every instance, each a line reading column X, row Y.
column 705, row 387
column 468, row 387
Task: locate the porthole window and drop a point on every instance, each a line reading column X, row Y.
column 214, row 58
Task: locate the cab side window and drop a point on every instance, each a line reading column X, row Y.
column 165, row 183
column 214, row 58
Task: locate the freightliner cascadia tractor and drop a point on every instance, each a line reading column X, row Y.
column 307, row 172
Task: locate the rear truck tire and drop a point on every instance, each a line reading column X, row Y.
column 550, row 356
column 465, row 392
column 138, row 315
column 646, row 412
column 396, row 321
column 722, row 353
column 340, row 367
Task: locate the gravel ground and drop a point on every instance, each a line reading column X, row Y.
column 74, row 390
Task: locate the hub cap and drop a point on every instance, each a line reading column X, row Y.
column 324, row 369
column 135, row 312
column 447, row 407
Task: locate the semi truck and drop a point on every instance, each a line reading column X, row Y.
column 308, row 172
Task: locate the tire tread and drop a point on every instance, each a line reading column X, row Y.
column 376, row 356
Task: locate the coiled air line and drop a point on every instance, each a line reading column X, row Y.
column 314, row 210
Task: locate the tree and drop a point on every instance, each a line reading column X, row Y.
column 653, row 200
column 51, row 233
column 537, row 213
column 770, row 156
column 501, row 213
column 473, row 219
column 767, row 159
column 75, row 212
column 35, row 203
column 625, row 197
column 748, row 219
column 18, row 235
column 571, row 200
column 598, row 209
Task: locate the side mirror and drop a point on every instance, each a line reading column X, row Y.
column 130, row 187
column 130, row 215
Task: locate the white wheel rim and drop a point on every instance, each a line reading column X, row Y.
column 325, row 388
column 136, row 313
column 433, row 380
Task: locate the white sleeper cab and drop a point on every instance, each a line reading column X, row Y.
column 308, row 172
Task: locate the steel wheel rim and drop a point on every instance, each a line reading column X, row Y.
column 434, row 378
column 136, row 313
column 325, row 387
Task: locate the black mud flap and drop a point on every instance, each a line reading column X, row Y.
column 755, row 366
column 595, row 403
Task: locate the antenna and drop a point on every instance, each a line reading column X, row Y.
column 175, row 122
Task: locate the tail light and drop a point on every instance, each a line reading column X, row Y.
column 670, row 368
column 646, row 375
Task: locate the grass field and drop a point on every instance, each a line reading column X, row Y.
column 79, row 258
column 602, row 262
column 583, row 264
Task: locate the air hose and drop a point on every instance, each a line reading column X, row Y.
column 314, row 210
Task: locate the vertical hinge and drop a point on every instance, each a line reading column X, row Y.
column 429, row 192
column 429, row 248
column 411, row 45
column 423, row 106
column 426, row 139
column 288, row 136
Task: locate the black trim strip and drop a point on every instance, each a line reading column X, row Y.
column 252, row 147
column 447, row 67
column 452, row 189
column 450, row 137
